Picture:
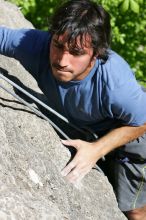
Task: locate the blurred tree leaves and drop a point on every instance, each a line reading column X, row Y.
column 130, row 4
column 124, row 5
column 128, row 20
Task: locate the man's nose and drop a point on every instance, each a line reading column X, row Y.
column 63, row 60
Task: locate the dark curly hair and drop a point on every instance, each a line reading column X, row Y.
column 82, row 18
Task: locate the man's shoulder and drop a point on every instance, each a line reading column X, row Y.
column 15, row 35
column 35, row 33
column 115, row 61
column 116, row 71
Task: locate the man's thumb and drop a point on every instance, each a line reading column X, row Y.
column 72, row 143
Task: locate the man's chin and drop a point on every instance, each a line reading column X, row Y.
column 62, row 78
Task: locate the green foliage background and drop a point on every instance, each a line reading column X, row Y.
column 128, row 20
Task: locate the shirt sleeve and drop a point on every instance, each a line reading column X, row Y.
column 29, row 46
column 127, row 103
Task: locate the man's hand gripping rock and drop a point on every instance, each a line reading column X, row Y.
column 84, row 160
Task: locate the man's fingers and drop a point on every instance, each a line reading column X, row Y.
column 73, row 175
column 71, row 167
column 68, row 168
column 77, row 175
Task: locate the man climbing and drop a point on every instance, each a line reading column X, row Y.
column 93, row 87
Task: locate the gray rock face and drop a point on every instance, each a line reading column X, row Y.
column 31, row 158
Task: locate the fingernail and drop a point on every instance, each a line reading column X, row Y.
column 63, row 173
column 62, row 141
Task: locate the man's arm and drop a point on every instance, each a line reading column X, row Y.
column 28, row 46
column 89, row 153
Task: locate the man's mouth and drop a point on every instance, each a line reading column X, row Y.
column 60, row 69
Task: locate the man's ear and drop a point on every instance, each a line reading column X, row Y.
column 94, row 58
column 96, row 55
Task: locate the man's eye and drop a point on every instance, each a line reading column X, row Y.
column 58, row 46
column 77, row 53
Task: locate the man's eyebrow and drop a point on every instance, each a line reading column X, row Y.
column 78, row 50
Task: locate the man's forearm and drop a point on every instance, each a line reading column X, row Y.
column 118, row 137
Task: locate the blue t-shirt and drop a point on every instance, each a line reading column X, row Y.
column 107, row 97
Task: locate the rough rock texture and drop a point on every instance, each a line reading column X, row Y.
column 31, row 158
